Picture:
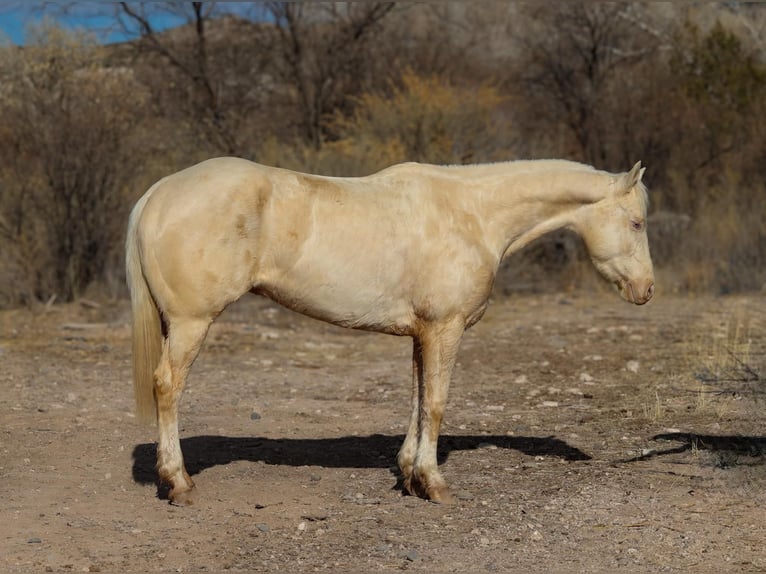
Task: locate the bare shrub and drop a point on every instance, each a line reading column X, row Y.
column 424, row 119
column 65, row 162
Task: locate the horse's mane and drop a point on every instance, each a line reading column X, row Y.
column 524, row 165
column 551, row 165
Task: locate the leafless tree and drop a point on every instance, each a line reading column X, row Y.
column 65, row 159
column 213, row 86
column 323, row 49
column 575, row 75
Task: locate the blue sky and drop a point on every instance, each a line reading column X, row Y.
column 98, row 17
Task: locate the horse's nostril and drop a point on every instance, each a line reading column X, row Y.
column 650, row 291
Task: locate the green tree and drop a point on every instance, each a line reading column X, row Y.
column 722, row 83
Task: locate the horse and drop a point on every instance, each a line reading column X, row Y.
column 412, row 250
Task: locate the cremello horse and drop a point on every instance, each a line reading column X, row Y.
column 411, row 250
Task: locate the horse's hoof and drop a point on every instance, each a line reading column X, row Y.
column 413, row 488
column 184, row 497
column 441, row 495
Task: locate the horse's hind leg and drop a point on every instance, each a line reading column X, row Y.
column 406, row 457
column 179, row 350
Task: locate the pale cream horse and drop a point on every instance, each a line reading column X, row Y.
column 412, row 250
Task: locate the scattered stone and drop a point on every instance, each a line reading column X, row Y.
column 558, row 342
column 521, row 380
column 302, row 526
column 536, row 536
column 586, row 378
column 412, row 555
column 632, row 366
column 263, row 527
column 254, row 416
column 464, row 495
column 549, row 404
column 314, row 477
column 34, row 540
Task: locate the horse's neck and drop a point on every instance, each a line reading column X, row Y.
column 524, row 206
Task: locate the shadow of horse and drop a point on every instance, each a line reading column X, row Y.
column 727, row 445
column 374, row 451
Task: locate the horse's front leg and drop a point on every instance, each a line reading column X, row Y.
column 434, row 354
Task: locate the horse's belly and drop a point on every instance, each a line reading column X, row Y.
column 348, row 304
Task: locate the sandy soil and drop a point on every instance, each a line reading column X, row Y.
column 582, row 434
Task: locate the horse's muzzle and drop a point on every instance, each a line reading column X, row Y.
column 639, row 292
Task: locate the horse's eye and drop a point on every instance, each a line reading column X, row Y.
column 637, row 224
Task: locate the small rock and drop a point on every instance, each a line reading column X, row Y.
column 412, row 555
column 549, row 404
column 263, row 527
column 314, row 477
column 558, row 342
column 464, row 495
column 632, row 366
column 302, row 526
column 536, row 536
column 521, row 379
column 34, row 540
column 254, row 416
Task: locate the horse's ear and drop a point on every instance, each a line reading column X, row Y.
column 629, row 180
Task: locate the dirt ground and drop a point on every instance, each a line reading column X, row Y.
column 582, row 433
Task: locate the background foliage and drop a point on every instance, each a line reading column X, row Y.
column 346, row 89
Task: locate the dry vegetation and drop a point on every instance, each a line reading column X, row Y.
column 348, row 89
column 582, row 433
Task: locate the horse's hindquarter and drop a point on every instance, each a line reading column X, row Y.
column 199, row 235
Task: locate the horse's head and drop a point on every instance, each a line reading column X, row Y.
column 614, row 232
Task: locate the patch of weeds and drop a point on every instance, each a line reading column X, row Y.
column 726, row 366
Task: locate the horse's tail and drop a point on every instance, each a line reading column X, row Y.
column 147, row 329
